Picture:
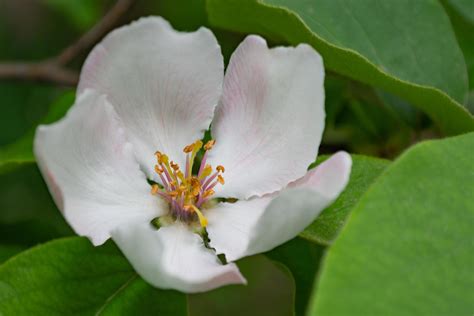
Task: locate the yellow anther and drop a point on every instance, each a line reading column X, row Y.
column 174, row 166
column 202, row 219
column 186, row 192
column 173, row 193
column 209, row 144
column 154, row 189
column 163, row 159
column 206, row 171
column 158, row 169
column 158, row 155
column 195, row 186
column 189, row 148
column 195, row 191
column 220, row 179
column 208, row 193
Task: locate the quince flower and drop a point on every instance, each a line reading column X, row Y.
column 122, row 163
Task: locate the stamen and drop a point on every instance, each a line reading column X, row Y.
column 220, row 179
column 158, row 156
column 209, row 144
column 173, row 193
column 202, row 219
column 189, row 148
column 180, row 175
column 168, row 177
column 186, row 192
column 208, row 193
column 209, row 180
column 197, row 145
column 164, row 163
column 158, row 169
column 206, row 172
column 188, row 172
column 154, row 189
column 174, row 166
column 212, row 185
column 163, row 159
column 195, row 186
column 203, row 164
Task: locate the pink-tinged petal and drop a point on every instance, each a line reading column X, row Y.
column 173, row 257
column 269, row 122
column 163, row 84
column 257, row 225
column 91, row 171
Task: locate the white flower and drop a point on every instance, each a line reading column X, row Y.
column 145, row 93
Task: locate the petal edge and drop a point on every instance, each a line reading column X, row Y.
column 270, row 120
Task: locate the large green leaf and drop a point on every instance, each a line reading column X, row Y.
column 464, row 7
column 408, row 247
column 7, row 251
column 81, row 13
column 302, row 258
column 28, row 214
column 400, row 46
column 326, row 227
column 270, row 291
column 71, row 277
column 459, row 12
column 22, row 150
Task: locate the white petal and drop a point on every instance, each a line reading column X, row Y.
column 269, row 123
column 173, row 257
column 163, row 84
column 91, row 171
column 248, row 227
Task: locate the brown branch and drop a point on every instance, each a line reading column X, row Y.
column 49, row 72
column 54, row 70
column 95, row 34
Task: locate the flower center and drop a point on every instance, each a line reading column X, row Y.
column 187, row 193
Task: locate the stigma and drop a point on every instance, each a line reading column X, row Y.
column 187, row 193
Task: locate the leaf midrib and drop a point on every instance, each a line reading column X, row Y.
column 109, row 299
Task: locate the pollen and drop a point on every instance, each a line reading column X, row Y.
column 186, row 193
column 158, row 169
column 209, row 144
column 220, row 179
column 154, row 189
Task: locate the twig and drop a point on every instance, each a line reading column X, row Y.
column 54, row 70
column 108, row 21
column 41, row 71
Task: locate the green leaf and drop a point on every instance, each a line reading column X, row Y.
column 270, row 291
column 464, row 28
column 302, row 258
column 402, row 109
column 7, row 251
column 411, row 64
column 81, row 13
column 326, row 227
column 407, row 248
column 465, row 8
column 21, row 151
column 31, row 232
column 28, row 212
column 71, row 277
